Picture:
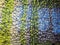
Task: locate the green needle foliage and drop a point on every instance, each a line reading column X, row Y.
column 6, row 22
column 23, row 27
